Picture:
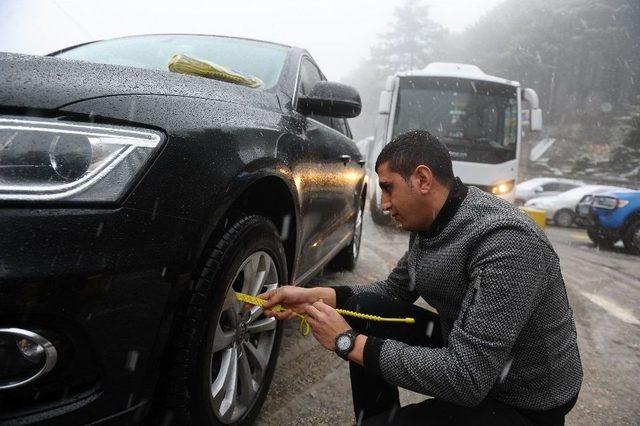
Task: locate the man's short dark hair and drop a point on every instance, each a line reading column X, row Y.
column 414, row 148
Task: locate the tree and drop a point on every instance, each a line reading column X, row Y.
column 413, row 41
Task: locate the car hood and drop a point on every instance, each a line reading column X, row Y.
column 49, row 83
column 625, row 195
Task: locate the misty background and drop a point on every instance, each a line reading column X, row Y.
column 581, row 56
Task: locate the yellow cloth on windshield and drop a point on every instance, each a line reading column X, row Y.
column 184, row 64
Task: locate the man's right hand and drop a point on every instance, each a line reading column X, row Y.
column 295, row 299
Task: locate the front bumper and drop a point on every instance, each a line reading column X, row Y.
column 101, row 285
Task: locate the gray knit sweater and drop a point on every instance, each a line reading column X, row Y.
column 495, row 281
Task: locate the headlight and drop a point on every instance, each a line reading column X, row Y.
column 622, row 203
column 503, row 188
column 47, row 160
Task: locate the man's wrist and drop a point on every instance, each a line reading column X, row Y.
column 327, row 294
column 357, row 353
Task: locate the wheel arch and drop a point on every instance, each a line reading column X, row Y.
column 266, row 190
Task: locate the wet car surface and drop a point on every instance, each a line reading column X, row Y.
column 135, row 201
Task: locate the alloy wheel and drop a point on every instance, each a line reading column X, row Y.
column 564, row 218
column 243, row 341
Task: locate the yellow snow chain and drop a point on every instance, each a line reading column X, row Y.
column 305, row 328
column 184, row 64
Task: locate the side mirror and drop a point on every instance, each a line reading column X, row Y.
column 538, row 189
column 331, row 99
column 531, row 96
column 536, row 120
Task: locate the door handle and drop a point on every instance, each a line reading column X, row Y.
column 345, row 159
column 361, row 162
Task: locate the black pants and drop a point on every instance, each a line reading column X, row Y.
column 376, row 402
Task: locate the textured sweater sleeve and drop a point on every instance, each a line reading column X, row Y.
column 507, row 271
column 397, row 285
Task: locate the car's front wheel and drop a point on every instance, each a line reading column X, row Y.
column 225, row 357
column 631, row 238
column 564, row 218
column 600, row 238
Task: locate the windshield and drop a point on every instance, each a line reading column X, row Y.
column 262, row 60
column 477, row 120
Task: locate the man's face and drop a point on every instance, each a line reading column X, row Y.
column 402, row 199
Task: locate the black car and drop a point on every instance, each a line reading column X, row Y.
column 134, row 201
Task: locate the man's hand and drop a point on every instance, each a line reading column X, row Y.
column 326, row 323
column 296, row 299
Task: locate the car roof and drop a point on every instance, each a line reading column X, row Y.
column 456, row 70
column 169, row 34
column 542, row 180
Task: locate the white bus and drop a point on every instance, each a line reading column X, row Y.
column 478, row 117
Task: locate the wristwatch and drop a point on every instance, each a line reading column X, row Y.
column 345, row 343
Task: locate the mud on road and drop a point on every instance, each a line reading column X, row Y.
column 311, row 384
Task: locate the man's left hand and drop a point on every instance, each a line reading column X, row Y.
column 326, row 323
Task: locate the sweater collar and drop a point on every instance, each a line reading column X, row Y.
column 449, row 209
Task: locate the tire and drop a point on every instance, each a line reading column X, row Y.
column 378, row 217
column 347, row 258
column 600, row 238
column 631, row 237
column 212, row 336
column 564, row 218
column 519, row 202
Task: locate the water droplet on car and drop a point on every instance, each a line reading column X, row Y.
column 132, row 360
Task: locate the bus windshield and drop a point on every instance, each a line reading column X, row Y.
column 477, row 120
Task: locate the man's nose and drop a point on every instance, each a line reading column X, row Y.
column 385, row 203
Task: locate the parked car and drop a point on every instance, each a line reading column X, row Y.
column 560, row 209
column 543, row 187
column 612, row 216
column 134, row 201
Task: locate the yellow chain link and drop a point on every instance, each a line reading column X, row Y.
column 305, row 328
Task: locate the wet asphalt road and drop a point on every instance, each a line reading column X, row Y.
column 311, row 385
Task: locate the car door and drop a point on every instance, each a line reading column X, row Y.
column 327, row 179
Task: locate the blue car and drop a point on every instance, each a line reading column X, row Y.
column 610, row 217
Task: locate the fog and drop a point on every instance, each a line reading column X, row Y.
column 581, row 56
column 337, row 33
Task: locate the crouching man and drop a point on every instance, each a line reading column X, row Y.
column 502, row 347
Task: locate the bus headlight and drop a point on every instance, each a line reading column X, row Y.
column 503, row 188
column 47, row 160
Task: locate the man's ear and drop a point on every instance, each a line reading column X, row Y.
column 422, row 178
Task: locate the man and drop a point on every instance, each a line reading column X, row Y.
column 502, row 348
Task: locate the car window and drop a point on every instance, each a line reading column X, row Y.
column 309, row 76
column 552, row 186
column 340, row 124
column 567, row 186
column 259, row 59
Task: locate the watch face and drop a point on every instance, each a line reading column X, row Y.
column 343, row 343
